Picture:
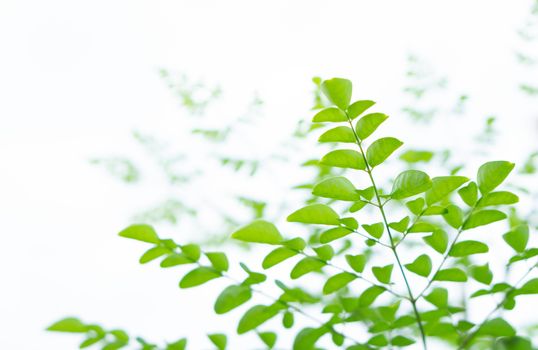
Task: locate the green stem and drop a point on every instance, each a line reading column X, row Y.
column 411, row 299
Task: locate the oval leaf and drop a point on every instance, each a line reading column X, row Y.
column 410, row 183
column 336, row 188
column 381, row 149
column 344, row 158
column 315, row 214
column 258, row 231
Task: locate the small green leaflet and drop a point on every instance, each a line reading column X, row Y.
column 442, row 186
column 492, row 174
column 466, row 248
column 315, row 214
column 268, row 338
column 498, row 198
column 370, row 295
column 381, row 149
column 359, row 107
column 416, row 206
column 141, row 232
column 356, row 262
column 175, row 259
column 517, row 238
column 482, row 274
column 307, row 338
column 453, row 215
column 344, row 158
column 483, row 217
column 306, row 265
column 256, row 316
column 422, row 266
column 330, row 114
column 497, row 327
column 368, row 124
column 232, row 297
column 469, row 193
column 530, row 287
column 153, row 253
column 218, row 260
column 383, row 273
column 338, row 91
column 219, row 340
column 277, row 256
column 198, row 276
column 336, row 188
column 410, row 183
column 334, row 234
column 337, row 282
column 450, row 275
column 375, row 230
column 414, row 156
column 438, row 297
column 258, row 231
column 339, row 134
column 324, row 252
column 70, row 325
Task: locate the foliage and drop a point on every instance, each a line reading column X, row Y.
column 380, row 266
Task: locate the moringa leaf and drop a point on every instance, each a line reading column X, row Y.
column 383, row 273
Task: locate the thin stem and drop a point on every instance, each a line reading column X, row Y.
column 476, row 328
column 411, row 299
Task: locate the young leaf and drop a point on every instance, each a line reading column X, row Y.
column 466, row 248
column 153, row 253
column 453, row 215
column 324, row 252
column 381, row 149
column 497, row 327
column 175, row 259
column 410, row 183
column 288, row 320
column 400, row 226
column 359, row 107
column 277, row 256
column 192, row 251
column 530, row 287
column 336, row 188
column 344, row 158
column 307, row 338
column 370, row 295
column 438, row 297
column 401, row 341
column 517, row 238
column 422, row 266
column 198, row 276
column 451, row 275
column 268, row 338
column 337, row 282
column 70, row 325
column 383, row 273
column 368, row 124
column 482, row 274
column 256, row 316
column 498, row 198
column 140, row 232
column 414, row 156
column 375, row 230
column 218, row 260
column 306, row 265
column 330, row 114
column 338, row 91
column 258, row 231
column 232, row 297
column 333, row 234
column 296, row 243
column 338, row 134
column 416, row 205
column 219, row 340
column 483, row 217
column 356, row 262
column 315, row 214
column 469, row 193
column 492, row 174
column 442, row 186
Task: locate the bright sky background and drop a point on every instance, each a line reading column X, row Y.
column 77, row 76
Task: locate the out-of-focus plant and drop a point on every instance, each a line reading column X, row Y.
column 378, row 260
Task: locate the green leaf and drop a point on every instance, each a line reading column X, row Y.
column 258, row 231
column 315, row 214
column 466, row 248
column 218, row 260
column 333, row 234
column 356, row 262
column 336, row 188
column 338, row 282
column 453, row 216
column 483, row 217
column 517, row 238
column 469, row 193
column 324, row 252
column 378, row 340
column 381, row 149
column 198, row 276
column 400, row 226
column 192, row 251
column 359, row 107
column 442, row 186
column 410, row 183
column 296, row 243
column 438, row 297
column 344, row 158
column 176, row 259
column 497, row 327
column 153, row 253
column 482, row 274
column 401, row 341
column 268, row 338
column 370, row 295
column 70, row 325
column 414, row 156
column 422, row 265
column 277, row 256
column 383, row 273
column 492, row 174
column 375, row 230
column 339, row 134
column 232, row 297
column 530, row 287
column 256, row 316
column 498, row 198
column 141, row 232
column 219, row 340
column 306, row 265
column 331, row 114
column 177, row 345
column 288, row 320
column 416, row 205
column 513, row 343
column 422, row 226
column 307, row 338
column 368, row 124
column 338, row 91
column 451, row 275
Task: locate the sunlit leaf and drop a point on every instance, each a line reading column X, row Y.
column 219, row 340
column 339, row 134
column 422, row 265
column 256, row 316
column 232, row 297
column 359, row 107
column 344, row 158
column 198, row 276
column 338, row 91
column 442, row 186
column 315, row 214
column 336, row 188
column 330, row 114
column 466, row 248
column 337, row 282
column 483, row 217
column 258, row 231
column 306, row 265
column 381, row 149
column 517, row 238
column 492, row 174
column 498, row 198
column 383, row 273
column 368, row 124
column 451, row 274
column 141, row 232
column 410, row 183
column 356, row 262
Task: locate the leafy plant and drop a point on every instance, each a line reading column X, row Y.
column 378, row 265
